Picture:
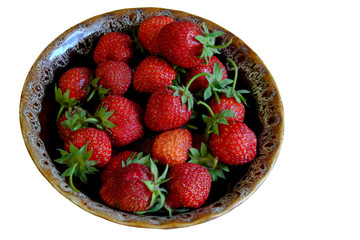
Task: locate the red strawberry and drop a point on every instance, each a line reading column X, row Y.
column 126, row 117
column 178, row 44
column 115, row 164
column 188, row 186
column 72, row 87
column 153, row 73
column 135, row 188
column 76, row 80
column 165, row 111
column 202, row 82
column 114, row 75
column 126, row 190
column 73, row 119
column 185, row 43
column 114, row 46
column 97, row 140
column 235, row 144
column 84, row 149
column 171, row 147
column 228, row 103
column 63, row 132
column 149, row 30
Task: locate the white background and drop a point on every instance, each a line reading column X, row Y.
column 312, row 50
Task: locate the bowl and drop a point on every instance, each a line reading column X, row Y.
column 74, row 47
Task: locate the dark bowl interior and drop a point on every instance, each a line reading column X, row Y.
column 74, row 48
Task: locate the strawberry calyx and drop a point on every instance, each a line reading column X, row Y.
column 158, row 192
column 207, row 160
column 231, row 92
column 78, row 118
column 78, row 163
column 216, row 83
column 101, row 118
column 184, row 93
column 97, row 88
column 213, row 120
column 64, row 100
column 208, row 42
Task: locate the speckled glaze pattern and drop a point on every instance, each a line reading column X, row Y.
column 265, row 115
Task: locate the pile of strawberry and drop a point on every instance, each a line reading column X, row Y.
column 180, row 77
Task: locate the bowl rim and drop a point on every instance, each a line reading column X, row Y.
column 40, row 158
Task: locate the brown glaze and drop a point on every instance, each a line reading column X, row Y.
column 74, row 48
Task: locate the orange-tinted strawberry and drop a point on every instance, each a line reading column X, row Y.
column 153, row 73
column 188, row 186
column 115, row 76
column 165, row 111
column 228, row 103
column 235, row 144
column 127, row 118
column 114, row 46
column 202, row 82
column 149, row 30
column 171, row 147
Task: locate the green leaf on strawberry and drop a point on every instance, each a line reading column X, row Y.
column 64, row 100
column 97, row 88
column 158, row 193
column 101, row 118
column 78, row 163
column 208, row 41
column 207, row 160
column 213, row 120
column 231, row 92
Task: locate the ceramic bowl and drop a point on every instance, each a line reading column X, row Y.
column 74, row 47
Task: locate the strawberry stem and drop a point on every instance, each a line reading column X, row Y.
column 71, row 178
column 220, row 47
column 193, row 79
column 235, row 76
column 208, row 107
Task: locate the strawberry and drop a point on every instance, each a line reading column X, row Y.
column 165, row 110
column 202, row 82
column 73, row 119
column 228, row 103
column 97, row 140
column 126, row 117
column 63, row 132
column 83, row 150
column 235, row 144
column 115, row 76
column 171, row 147
column 115, row 46
column 76, row 80
column 188, row 186
column 135, row 188
column 72, row 87
column 153, row 73
column 115, row 164
column 185, row 43
column 126, row 190
column 149, row 30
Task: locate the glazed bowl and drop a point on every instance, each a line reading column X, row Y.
column 74, row 47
